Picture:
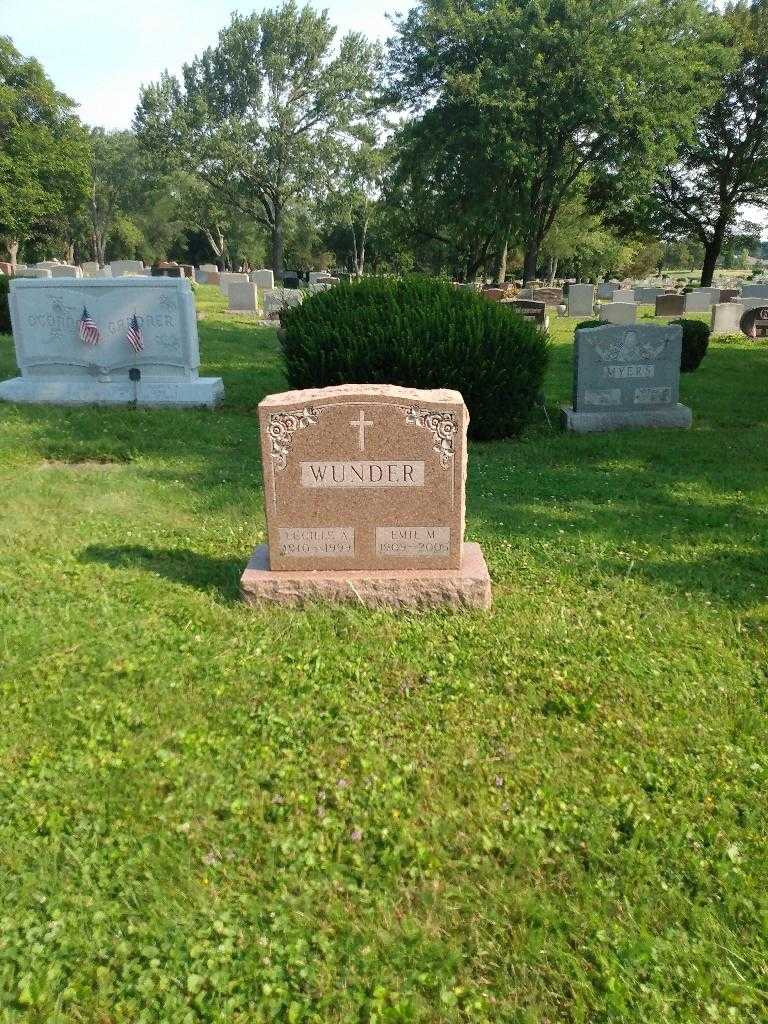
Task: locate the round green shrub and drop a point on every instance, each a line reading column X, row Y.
column 590, row 323
column 695, row 343
column 5, row 313
column 420, row 332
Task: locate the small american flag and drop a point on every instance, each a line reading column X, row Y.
column 88, row 331
column 135, row 336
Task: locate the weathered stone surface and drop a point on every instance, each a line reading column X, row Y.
column 605, row 291
column 726, row 317
column 531, row 310
column 364, row 477
column 126, row 268
column 62, row 270
column 34, row 273
column 263, row 279
column 698, row 302
column 670, row 305
column 626, row 377
column 754, row 322
column 618, row 312
column 549, row 296
column 581, row 300
column 755, row 291
column 278, row 299
column 647, row 296
column 243, row 296
column 226, row 279
column 624, row 295
column 458, row 589
column 58, row 367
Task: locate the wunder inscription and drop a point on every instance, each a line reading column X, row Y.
column 362, row 474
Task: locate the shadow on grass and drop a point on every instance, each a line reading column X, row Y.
column 217, row 576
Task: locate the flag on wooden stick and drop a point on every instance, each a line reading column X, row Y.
column 135, row 335
column 88, row 331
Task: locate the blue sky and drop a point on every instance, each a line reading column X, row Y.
column 100, row 51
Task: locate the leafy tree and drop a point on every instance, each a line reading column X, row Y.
column 450, row 188
column 261, row 116
column 553, row 91
column 43, row 152
column 355, row 197
column 724, row 165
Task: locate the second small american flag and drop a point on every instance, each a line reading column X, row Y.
column 135, row 335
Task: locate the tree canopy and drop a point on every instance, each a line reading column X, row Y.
column 261, row 116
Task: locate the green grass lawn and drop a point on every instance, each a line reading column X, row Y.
column 554, row 812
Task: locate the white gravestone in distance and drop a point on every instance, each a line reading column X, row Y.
column 698, row 302
column 726, row 317
column 58, row 368
column 625, row 377
column 618, row 312
column 263, row 279
column 581, row 300
column 66, row 271
column 243, row 296
column 624, row 295
column 226, row 279
column 126, row 268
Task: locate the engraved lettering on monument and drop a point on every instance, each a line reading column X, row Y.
column 47, row 317
column 339, row 462
column 625, row 355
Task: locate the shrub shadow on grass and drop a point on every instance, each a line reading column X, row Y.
column 217, row 576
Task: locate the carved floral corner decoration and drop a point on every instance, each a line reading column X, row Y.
column 443, row 427
column 282, row 426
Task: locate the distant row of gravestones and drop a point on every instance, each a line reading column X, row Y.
column 76, row 344
column 732, row 310
column 252, row 293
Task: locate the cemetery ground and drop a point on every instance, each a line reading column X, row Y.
column 552, row 812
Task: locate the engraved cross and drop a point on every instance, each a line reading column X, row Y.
column 361, row 423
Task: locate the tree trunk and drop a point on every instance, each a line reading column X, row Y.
column 530, row 263
column 361, row 251
column 13, row 251
column 501, row 270
column 711, row 256
column 552, row 270
column 278, row 244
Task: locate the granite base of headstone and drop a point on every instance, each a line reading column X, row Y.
column 626, row 378
column 59, row 367
column 365, row 501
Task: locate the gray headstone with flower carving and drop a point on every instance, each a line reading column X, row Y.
column 626, row 376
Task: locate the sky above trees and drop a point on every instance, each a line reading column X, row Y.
column 101, row 53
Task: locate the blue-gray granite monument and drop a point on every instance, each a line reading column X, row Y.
column 626, row 377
